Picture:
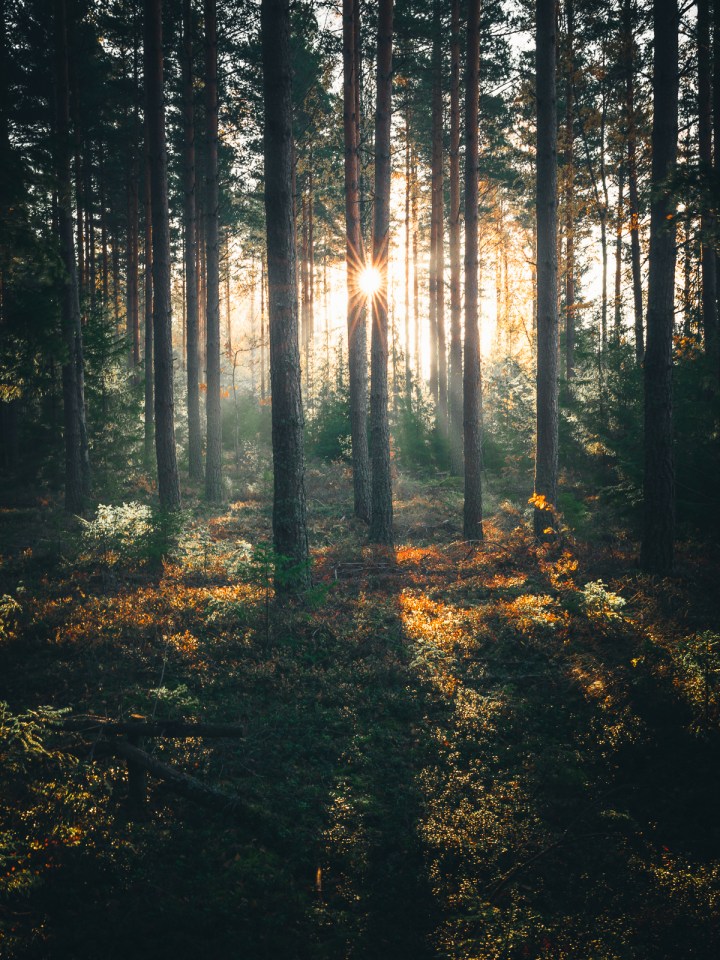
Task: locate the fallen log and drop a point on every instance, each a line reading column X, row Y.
column 153, row 728
column 191, row 788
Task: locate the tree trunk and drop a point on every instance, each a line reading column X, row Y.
column 618, row 254
column 546, row 459
column 633, row 198
column 472, row 376
column 381, row 519
column 354, row 258
column 455, row 380
column 707, row 218
column 195, row 465
column 408, row 174
column 132, row 300
column 77, row 467
column 656, row 554
column 213, row 453
column 263, row 337
column 437, row 278
column 289, row 515
column 570, row 196
column 149, row 418
column 168, row 483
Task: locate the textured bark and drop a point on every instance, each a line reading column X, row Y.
column 132, row 274
column 656, row 554
column 716, row 120
column 381, row 519
column 618, row 255
column 408, row 190
column 455, row 374
column 168, row 482
column 195, row 465
column 132, row 292
column 77, row 467
column 213, row 453
column 263, row 334
column 546, row 458
column 707, row 218
column 354, row 258
column 289, row 514
column 149, row 412
column 472, row 377
column 437, row 276
column 633, row 198
column 569, row 196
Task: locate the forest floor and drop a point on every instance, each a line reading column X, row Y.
column 503, row 752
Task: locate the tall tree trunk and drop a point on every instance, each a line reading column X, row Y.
column 455, row 379
column 707, row 218
column 472, row 376
column 77, row 466
column 546, row 458
column 149, row 418
column 132, row 301
column 213, row 454
column 570, row 196
column 104, row 258
column 381, row 519
column 618, row 254
column 604, row 211
column 633, row 198
column 263, row 335
column 656, row 554
column 716, row 127
column 168, row 482
column 416, row 268
column 408, row 190
column 289, row 513
column 195, row 465
column 310, row 339
column 437, row 278
column 354, row 258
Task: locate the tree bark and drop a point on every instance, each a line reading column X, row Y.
column 546, row 458
column 657, row 549
column 455, row 378
column 437, row 277
column 707, row 218
column 213, row 453
column 381, row 520
column 633, row 198
column 472, row 375
column 570, row 196
column 168, row 482
column 618, row 254
column 149, row 412
column 195, row 465
column 77, row 467
column 354, row 258
column 289, row 512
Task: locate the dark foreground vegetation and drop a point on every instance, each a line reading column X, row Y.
column 454, row 752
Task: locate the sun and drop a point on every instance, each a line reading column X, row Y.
column 369, row 281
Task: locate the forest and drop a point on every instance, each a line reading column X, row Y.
column 359, row 479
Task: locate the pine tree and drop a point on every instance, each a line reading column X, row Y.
column 472, row 382
column 168, row 482
column 357, row 330
column 289, row 514
column 657, row 549
column 381, row 520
